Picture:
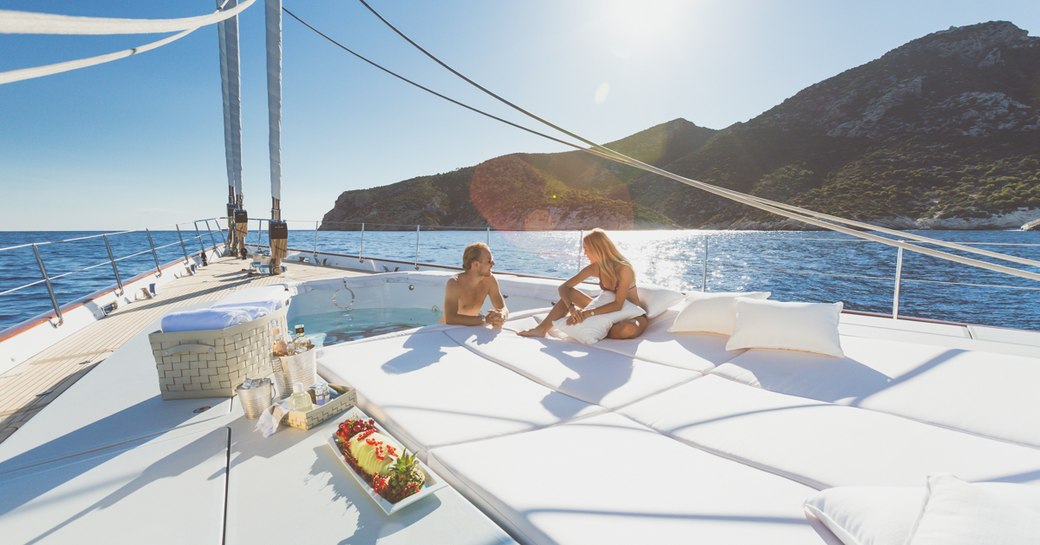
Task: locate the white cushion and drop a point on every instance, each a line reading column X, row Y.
column 587, row 373
column 711, row 312
column 868, row 515
column 429, row 391
column 960, row 513
column 596, row 327
column 893, row 377
column 657, row 300
column 824, row 445
column 606, row 480
column 807, row 327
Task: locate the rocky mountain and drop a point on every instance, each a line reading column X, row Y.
column 526, row 191
column 943, row 132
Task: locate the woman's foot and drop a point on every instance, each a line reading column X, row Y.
column 533, row 332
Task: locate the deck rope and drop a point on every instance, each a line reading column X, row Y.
column 27, row 22
column 21, row 22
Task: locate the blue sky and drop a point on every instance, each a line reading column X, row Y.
column 139, row 142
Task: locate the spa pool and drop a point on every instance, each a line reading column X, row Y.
column 329, row 328
column 340, row 310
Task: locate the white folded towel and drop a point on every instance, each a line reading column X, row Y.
column 210, row 318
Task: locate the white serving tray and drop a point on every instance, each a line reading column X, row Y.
column 433, row 481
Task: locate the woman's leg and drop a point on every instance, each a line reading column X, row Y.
column 628, row 329
column 558, row 311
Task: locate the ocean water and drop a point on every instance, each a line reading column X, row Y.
column 795, row 266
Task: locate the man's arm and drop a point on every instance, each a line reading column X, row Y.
column 451, row 306
column 498, row 303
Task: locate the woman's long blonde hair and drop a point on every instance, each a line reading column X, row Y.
column 610, row 259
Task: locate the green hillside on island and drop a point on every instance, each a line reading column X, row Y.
column 943, row 132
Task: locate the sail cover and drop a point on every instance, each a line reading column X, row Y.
column 273, row 14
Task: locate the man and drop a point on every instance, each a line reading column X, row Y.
column 465, row 292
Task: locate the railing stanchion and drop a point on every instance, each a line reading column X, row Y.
column 213, row 240
column 314, row 253
column 183, row 248
column 581, row 237
column 489, row 237
column 361, row 249
column 259, row 233
column 899, row 277
column 416, row 247
column 115, row 269
column 47, row 281
column 198, row 237
column 155, row 257
column 704, row 279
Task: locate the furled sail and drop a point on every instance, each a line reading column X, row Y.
column 278, row 232
column 231, row 82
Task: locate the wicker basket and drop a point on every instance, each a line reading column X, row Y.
column 212, row 362
column 307, row 420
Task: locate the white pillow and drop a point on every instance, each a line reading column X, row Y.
column 868, row 515
column 657, row 300
column 711, row 312
column 808, row 327
column 594, row 328
column 960, row 513
column 887, row 515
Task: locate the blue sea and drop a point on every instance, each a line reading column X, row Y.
column 795, row 266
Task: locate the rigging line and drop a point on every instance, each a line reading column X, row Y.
column 734, row 195
column 427, row 89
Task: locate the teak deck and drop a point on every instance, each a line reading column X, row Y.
column 29, row 387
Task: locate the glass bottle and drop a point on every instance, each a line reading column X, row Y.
column 300, row 399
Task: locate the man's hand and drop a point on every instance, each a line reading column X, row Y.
column 495, row 318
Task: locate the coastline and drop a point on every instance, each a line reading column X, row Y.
column 1019, row 220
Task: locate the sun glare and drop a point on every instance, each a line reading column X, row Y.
column 633, row 26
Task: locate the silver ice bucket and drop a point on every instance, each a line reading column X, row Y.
column 255, row 400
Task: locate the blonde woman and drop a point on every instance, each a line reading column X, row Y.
column 615, row 274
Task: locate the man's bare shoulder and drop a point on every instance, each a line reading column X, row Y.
column 453, row 282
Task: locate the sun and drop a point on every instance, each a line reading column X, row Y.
column 635, row 26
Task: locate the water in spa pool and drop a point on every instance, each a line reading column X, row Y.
column 336, row 327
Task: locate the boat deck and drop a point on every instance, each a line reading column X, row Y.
column 29, row 387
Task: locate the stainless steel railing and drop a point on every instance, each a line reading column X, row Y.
column 214, row 230
column 897, row 279
column 48, row 277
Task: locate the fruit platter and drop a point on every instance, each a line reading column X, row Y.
column 391, row 475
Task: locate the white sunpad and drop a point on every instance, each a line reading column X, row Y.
column 428, row 391
column 596, row 376
column 699, row 352
column 824, row 445
column 607, row 480
column 859, row 325
column 984, row 393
